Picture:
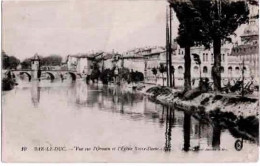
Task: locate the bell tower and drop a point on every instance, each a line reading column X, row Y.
column 35, row 66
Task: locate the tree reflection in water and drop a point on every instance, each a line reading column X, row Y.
column 168, row 127
column 216, row 136
column 186, row 131
column 200, row 129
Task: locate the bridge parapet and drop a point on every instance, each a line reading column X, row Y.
column 53, row 74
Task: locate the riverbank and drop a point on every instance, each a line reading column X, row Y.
column 239, row 106
column 205, row 102
column 8, row 84
column 237, row 114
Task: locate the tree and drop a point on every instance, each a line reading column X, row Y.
column 106, row 76
column 154, row 70
column 162, row 69
column 190, row 33
column 52, row 60
column 124, row 74
column 95, row 74
column 221, row 18
column 26, row 64
column 5, row 60
column 14, row 62
column 138, row 76
column 173, row 77
column 9, row 62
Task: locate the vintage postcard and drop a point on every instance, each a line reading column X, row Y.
column 130, row 81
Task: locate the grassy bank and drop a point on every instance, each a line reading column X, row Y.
column 238, row 115
column 239, row 106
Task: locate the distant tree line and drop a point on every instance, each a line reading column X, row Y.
column 109, row 75
column 52, row 60
column 9, row 62
column 26, row 64
column 162, row 69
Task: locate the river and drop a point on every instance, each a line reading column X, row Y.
column 73, row 121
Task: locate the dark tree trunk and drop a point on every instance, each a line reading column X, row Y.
column 173, row 80
column 162, row 79
column 216, row 73
column 187, row 66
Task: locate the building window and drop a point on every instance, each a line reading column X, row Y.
column 180, row 70
column 229, row 70
column 207, row 57
column 203, row 57
column 196, row 69
column 205, row 69
column 237, row 70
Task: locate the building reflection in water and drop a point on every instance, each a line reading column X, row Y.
column 162, row 118
column 81, row 93
column 197, row 132
column 168, row 127
column 114, row 99
column 35, row 93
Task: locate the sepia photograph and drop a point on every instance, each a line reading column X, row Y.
column 130, row 81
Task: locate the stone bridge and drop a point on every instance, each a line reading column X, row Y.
column 50, row 74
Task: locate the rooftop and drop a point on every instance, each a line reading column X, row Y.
column 246, row 49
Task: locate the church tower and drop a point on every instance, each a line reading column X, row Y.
column 35, row 66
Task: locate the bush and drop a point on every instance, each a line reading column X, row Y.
column 191, row 94
column 156, row 91
column 137, row 76
column 106, row 76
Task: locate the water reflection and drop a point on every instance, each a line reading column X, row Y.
column 190, row 133
column 168, row 127
column 216, row 136
column 186, row 131
column 35, row 93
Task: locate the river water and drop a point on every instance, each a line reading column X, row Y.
column 73, row 121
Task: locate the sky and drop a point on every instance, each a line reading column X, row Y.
column 64, row 27
column 80, row 26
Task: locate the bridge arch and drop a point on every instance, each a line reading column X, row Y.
column 26, row 73
column 51, row 75
column 73, row 76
